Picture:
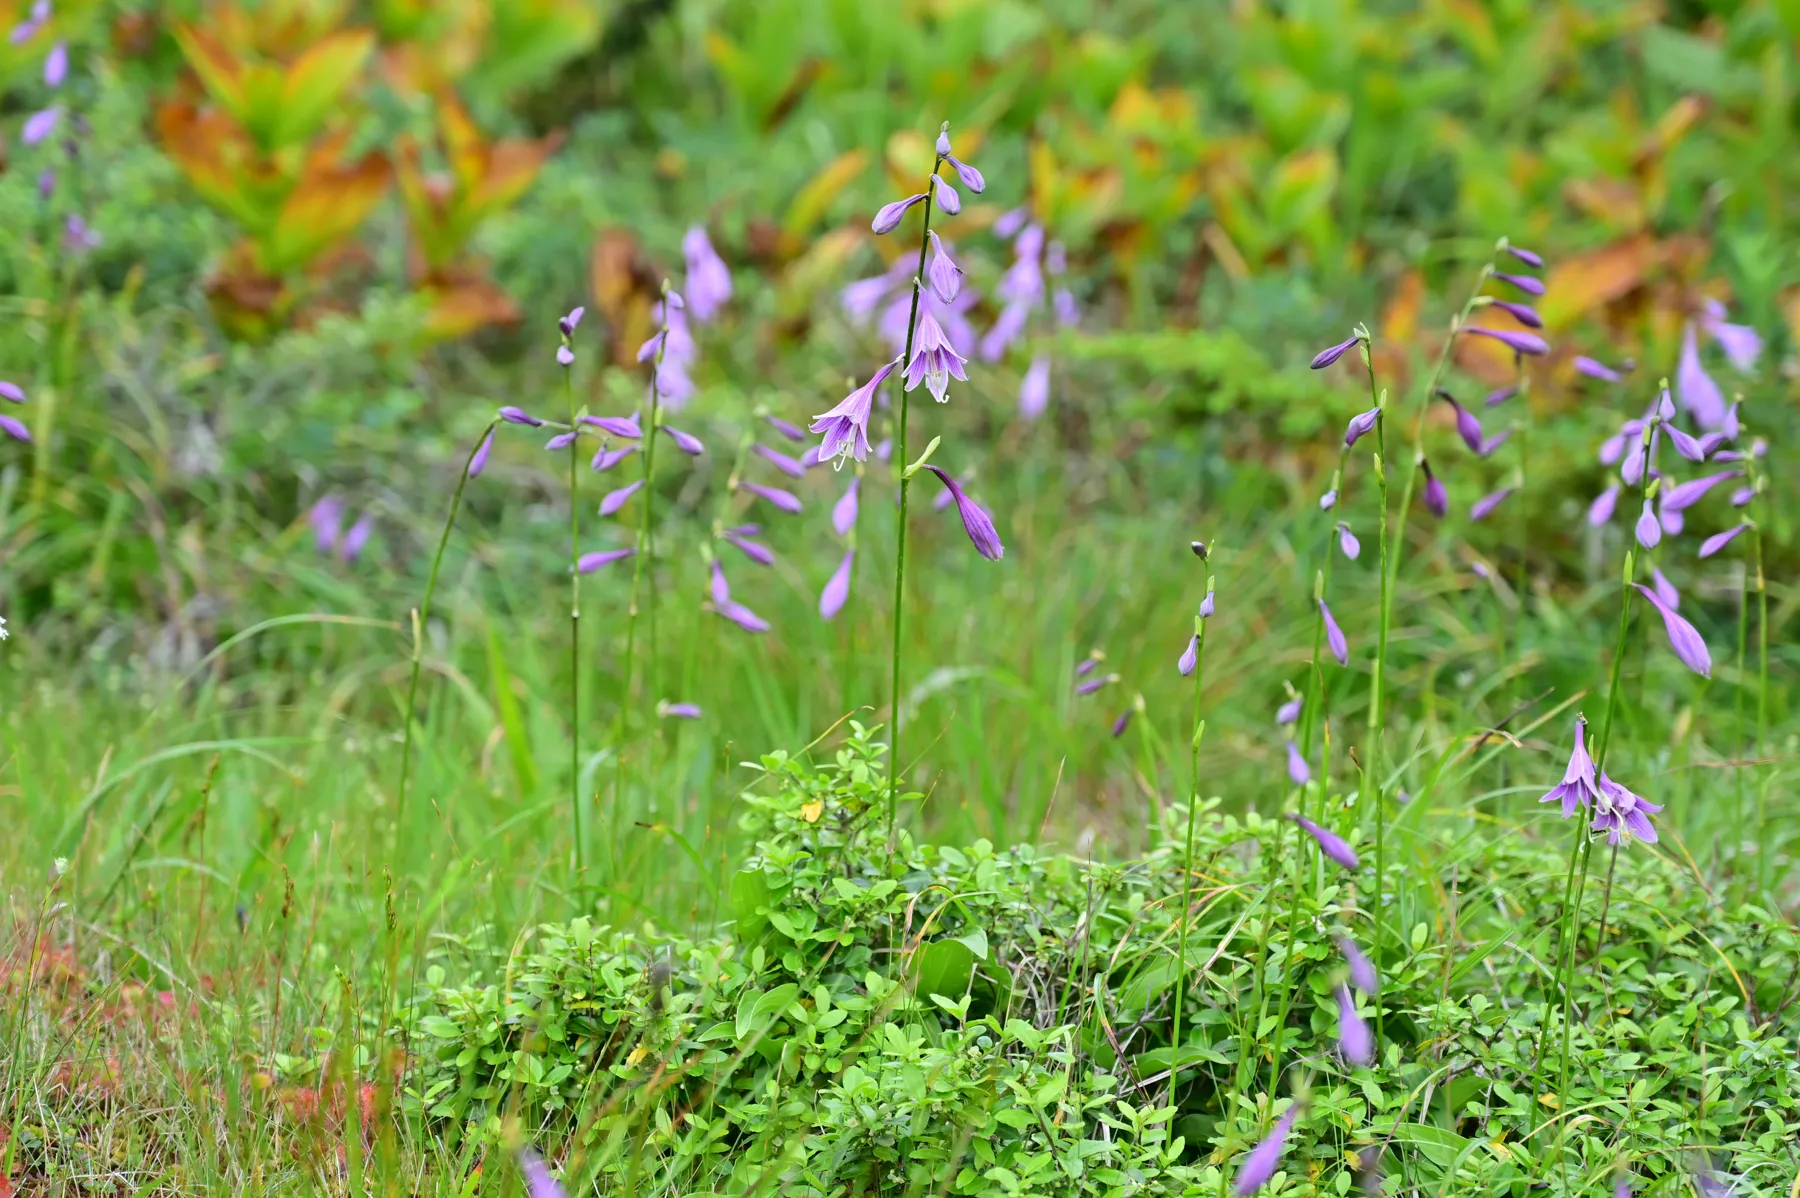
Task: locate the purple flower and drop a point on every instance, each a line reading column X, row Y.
column 40, row 125
column 1006, row 329
column 1519, row 343
column 78, row 235
column 1649, row 529
column 1684, row 639
column 1597, row 370
column 787, row 501
column 1718, row 541
column 1122, row 723
column 1089, row 663
column 565, row 356
column 1334, row 636
column 478, row 463
column 969, row 175
column 12, row 391
column 756, row 551
column 605, row 459
column 1190, row 657
column 1688, row 447
column 1437, row 499
column 1262, row 1161
column 587, row 563
column 837, row 589
column 944, row 275
column 1665, row 590
column 1011, row 221
column 1362, row 970
column 1484, row 507
column 1326, row 357
column 538, row 1182
column 729, row 608
column 1299, row 773
column 792, row 432
column 1034, row 390
column 514, row 415
column 351, row 547
column 1487, row 447
column 56, row 65
column 1361, row 423
column 1524, row 315
column 1691, row 492
column 1526, row 256
column 890, row 216
column 1671, row 519
column 935, row 361
column 1206, row 604
column 1328, row 500
column 1496, row 398
column 1623, row 815
column 1742, row 496
column 1354, row 1040
column 614, row 500
column 27, row 29
column 1578, row 787
column 1695, row 388
column 1603, row 506
column 782, row 462
column 685, row 442
column 1347, row 541
column 1330, row 843
column 678, row 711
column 946, row 197
column 1467, row 426
column 652, row 345
column 1093, row 684
column 708, row 278
column 1613, row 448
column 976, row 522
column 1068, row 313
column 843, row 512
column 326, row 518
column 561, row 441
column 1288, row 712
column 846, row 427
column 1525, row 283
column 572, row 321
column 1739, row 341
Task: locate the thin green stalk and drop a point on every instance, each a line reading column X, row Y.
column 575, row 634
column 641, row 562
column 420, row 625
column 900, row 463
column 1371, row 764
column 1743, row 742
column 1762, row 711
column 1187, row 857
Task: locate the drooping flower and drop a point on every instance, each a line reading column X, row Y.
column 605, row 459
column 1328, row 500
column 1354, row 1040
column 708, row 278
column 678, row 711
column 791, row 431
column 587, row 563
column 568, row 324
column 1123, row 722
column 976, row 522
column 561, row 441
column 890, row 216
column 1665, row 590
column 837, row 588
column 1671, row 519
column 843, row 512
column 1685, row 445
column 1090, row 685
column 538, row 1181
column 478, row 462
column 1362, row 970
column 946, row 196
column 514, row 415
column 1578, row 787
column 1741, row 343
column 326, row 518
column 1718, row 541
column 756, row 551
column 1190, row 657
column 12, row 391
column 1525, row 283
column 1742, row 496
column 1264, row 1159
column 1649, row 528
column 1603, row 506
column 78, row 236
column 1207, row 604
column 1684, row 638
column 1535, row 261
column 730, row 608
column 1326, row 357
column 685, row 442
column 612, row 501
column 944, row 275
column 1034, row 389
column 1522, row 313
column 1334, row 636
column 351, row 547
column 787, row 501
column 1288, row 712
column 1437, row 499
column 1623, row 815
column 1695, row 388
column 969, row 175
column 1299, row 773
column 1360, row 424
column 1347, row 542
column 56, row 65
column 846, row 427
column 1529, row 344
column 1693, row 491
column 935, row 361
column 40, row 125
column 1484, row 507
column 1330, row 843
column 14, row 428
column 565, row 356
column 626, row 427
column 1597, row 370
column 792, row 467
column 1467, row 426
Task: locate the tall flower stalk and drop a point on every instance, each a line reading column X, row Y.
column 565, row 356
column 1198, row 647
column 645, row 556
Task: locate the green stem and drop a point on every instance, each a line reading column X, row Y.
column 900, row 463
column 640, row 565
column 1187, row 861
column 1762, row 712
column 431, row 581
column 575, row 633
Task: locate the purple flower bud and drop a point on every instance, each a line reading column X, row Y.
column 672, row 299
column 1093, row 684
column 1360, row 424
column 1487, row 447
column 1665, row 590
column 947, row 199
column 1496, row 398
column 971, row 178
column 1206, row 605
column 1526, row 256
column 326, row 518
column 1362, row 970
column 351, row 547
column 837, row 589
column 1742, row 496
column 56, row 65
column 1347, row 541
column 1299, row 773
column 587, row 563
column 756, row 551
column 1649, row 528
column 1481, row 571
column 890, row 216
column 678, row 711
column 1326, row 357
column 742, row 616
column 1354, row 1040
column 1672, row 521
column 787, row 501
column 976, row 522
column 1006, row 329
column 843, row 512
column 514, row 415
column 1010, row 222
column 12, row 391
column 1603, row 506
column 1089, row 663
column 1330, row 843
column 565, row 356
column 1328, row 500
column 792, row 432
column 1684, row 639
column 1334, row 636
column 708, row 278
column 1288, row 712
column 1597, row 370
column 561, row 441
column 1437, row 499
column 1034, row 390
column 618, row 426
column 944, row 275
column 1263, row 1160
column 572, row 321
column 846, row 427
column 1122, row 723
column 538, row 1182
column 605, row 459
column 943, row 143
column 1695, row 388
column 782, row 462
column 1525, row 316
column 1693, row 491
column 478, row 462
column 1718, row 541
column 1525, row 283
column 1485, row 506
column 614, row 500
column 40, row 125
column 685, row 442
column 1520, row 343
column 1710, row 443
column 1688, row 447
column 1190, row 657
column 651, row 347
column 1467, row 426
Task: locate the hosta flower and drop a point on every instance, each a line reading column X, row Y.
column 1334, row 636
column 1328, row 500
column 1535, row 261
column 1684, row 639
column 1330, row 843
column 1034, row 389
column 12, row 391
column 846, row 427
column 1528, row 344
column 946, row 197
column 970, row 177
column 843, row 512
column 538, row 1181
column 1347, row 541
column 1601, row 510
column 791, row 431
column 605, row 459
column 1671, row 519
column 1525, row 283
column 787, row 501
column 1578, row 787
column 944, row 275
column 27, row 29
column 685, row 442
column 1685, row 445
column 1524, row 315
column 1649, row 528
column 708, row 278
column 1467, row 426
column 1299, row 773
column 626, row 427
column 1665, row 590
column 612, row 501
column 837, row 588
column 935, row 361
column 1484, row 507
column 1005, row 330
column 1354, row 1040
column 1289, row 712
column 1695, row 388
column 1326, row 357
column 976, row 522
column 1190, row 657
column 756, row 551
column 1718, row 541
column 1597, row 370
column 1264, row 1159
column 1437, row 499
column 587, row 563
column 1742, row 496
column 568, row 324
column 40, row 125
column 1362, row 970
column 565, row 356
column 792, row 467
column 1360, row 424
column 56, row 65
column 678, row 711
column 478, row 462
column 890, row 216
column 1623, row 815
column 1206, row 604
column 1068, row 312
column 1694, row 490
column 1741, row 343
column 730, row 608
column 514, row 415
column 14, row 428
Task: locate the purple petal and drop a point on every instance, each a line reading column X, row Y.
column 619, row 426
column 1695, row 388
column 944, row 275
column 1649, row 528
column 514, row 415
column 792, row 432
column 1437, row 498
column 1299, row 773
column 787, row 501
column 1672, row 521
column 1334, row 636
column 743, row 617
column 614, row 500
column 844, row 511
column 1263, row 1160
column 1206, row 605
column 1122, row 723
column 1190, row 657
column 1496, row 398
column 1691, row 492
column 587, row 563
column 1665, row 590
column 756, row 551
column 56, row 66
column 1288, row 712
column 1487, row 447
column 14, row 428
column 685, row 442
column 1328, row 500
column 1597, row 370
column 572, row 321
column 1068, row 312
column 1467, row 426
column 1603, row 506
column 1330, row 843
column 1684, row 639
column 1525, row 283
column 1360, row 424
column 721, row 590
column 976, row 522
column 1347, row 542
column 565, row 356
column 1688, row 447
column 1485, row 506
column 679, row 711
column 782, row 462
column 947, row 199
column 326, row 518
column 971, row 178
column 1520, row 343
column 560, row 441
column 12, row 391
column 1362, row 970
column 837, row 590
column 1718, row 541
column 1091, row 685
column 478, row 463
column 538, row 1182
column 1034, row 390
column 605, row 459
column 351, row 547
column 1354, row 1040
column 890, row 216
column 1326, row 357
column 1742, row 496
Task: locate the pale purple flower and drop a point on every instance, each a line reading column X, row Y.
column 1093, row 684
column 787, row 501
column 351, row 547
column 1691, row 492
column 1262, row 1161
column 1603, row 506
column 12, row 391
column 729, row 608
column 789, row 466
column 1525, row 283
column 1299, row 773
column 538, row 1181
column 1437, row 499
column 1671, row 519
column 1742, row 496
column 1326, row 357
column 561, row 441
column 78, row 236
column 846, row 427
column 514, row 415
column 1520, row 343
column 685, row 442
column 612, row 501
column 1718, row 541
column 1710, row 443
column 1122, row 723
column 678, row 711
column 837, row 588
column 1524, row 315
column 1467, row 426
column 1362, row 970
column 791, row 431
column 605, row 459
column 478, row 462
column 40, row 125
column 1328, row 500
column 1665, row 590
column 1597, row 370
column 1288, row 712
column 1649, row 528
column 617, row 426
column 46, row 183
column 1535, row 261
column 1684, row 639
column 1347, row 542
column 976, row 522
column 326, row 518
column 1010, row 222
column 756, row 551
column 1487, row 447
column 56, row 65
column 969, row 175
column 1034, row 389
column 947, row 199
column 653, row 345
column 935, row 361
column 1334, row 636
column 1613, row 448
column 572, row 321
column 587, row 563
column 944, row 275
column 1330, row 843
column 708, row 278
column 1695, row 388
column 1360, row 424
column 1685, row 445
column 1354, row 1040
column 1207, row 605
column 565, row 356
column 1622, row 1186
column 944, row 499
column 843, row 512
column 1481, row 570
column 27, row 29
column 1068, row 312
column 1484, row 507
column 1496, row 398
column 1578, row 787
column 1190, row 657
column 861, row 298
column 1741, row 343
column 1090, row 663
column 1006, row 329
column 1623, row 815
column 890, row 216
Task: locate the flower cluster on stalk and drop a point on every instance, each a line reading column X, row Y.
column 1613, row 810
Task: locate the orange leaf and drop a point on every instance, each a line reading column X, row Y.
column 1400, row 323
column 1576, row 286
column 220, row 73
column 315, row 83
column 326, row 207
